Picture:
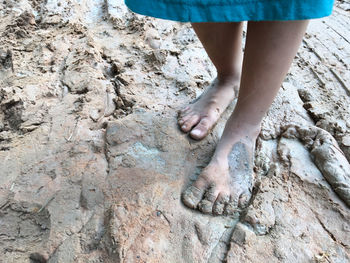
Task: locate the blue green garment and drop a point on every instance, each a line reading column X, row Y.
column 232, row 10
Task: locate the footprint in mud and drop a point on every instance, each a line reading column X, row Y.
column 24, row 232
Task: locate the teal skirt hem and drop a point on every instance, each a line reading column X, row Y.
column 232, row 11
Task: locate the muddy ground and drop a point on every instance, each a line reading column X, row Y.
column 92, row 163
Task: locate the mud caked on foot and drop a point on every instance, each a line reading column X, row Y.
column 224, row 187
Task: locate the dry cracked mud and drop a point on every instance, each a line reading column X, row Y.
column 92, row 163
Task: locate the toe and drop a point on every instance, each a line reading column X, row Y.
column 232, row 206
column 184, row 110
column 185, row 118
column 201, row 129
column 189, row 123
column 220, row 203
column 192, row 196
column 206, row 205
column 244, row 199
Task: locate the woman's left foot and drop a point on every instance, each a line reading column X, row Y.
column 201, row 116
column 225, row 185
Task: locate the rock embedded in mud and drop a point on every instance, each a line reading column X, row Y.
column 242, row 234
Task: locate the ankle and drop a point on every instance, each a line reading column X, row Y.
column 242, row 129
column 251, row 130
column 246, row 135
column 229, row 78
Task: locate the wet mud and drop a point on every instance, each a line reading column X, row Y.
column 327, row 155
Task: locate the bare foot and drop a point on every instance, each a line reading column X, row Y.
column 201, row 116
column 225, row 185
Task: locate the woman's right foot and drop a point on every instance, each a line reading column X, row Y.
column 200, row 117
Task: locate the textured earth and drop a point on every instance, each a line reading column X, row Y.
column 92, row 163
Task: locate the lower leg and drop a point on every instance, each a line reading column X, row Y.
column 269, row 52
column 222, row 42
column 225, row 184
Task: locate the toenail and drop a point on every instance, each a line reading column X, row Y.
column 196, row 132
column 195, row 191
column 183, row 126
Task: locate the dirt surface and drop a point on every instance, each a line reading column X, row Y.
column 93, row 163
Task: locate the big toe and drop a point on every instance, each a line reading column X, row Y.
column 201, row 129
column 192, row 196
